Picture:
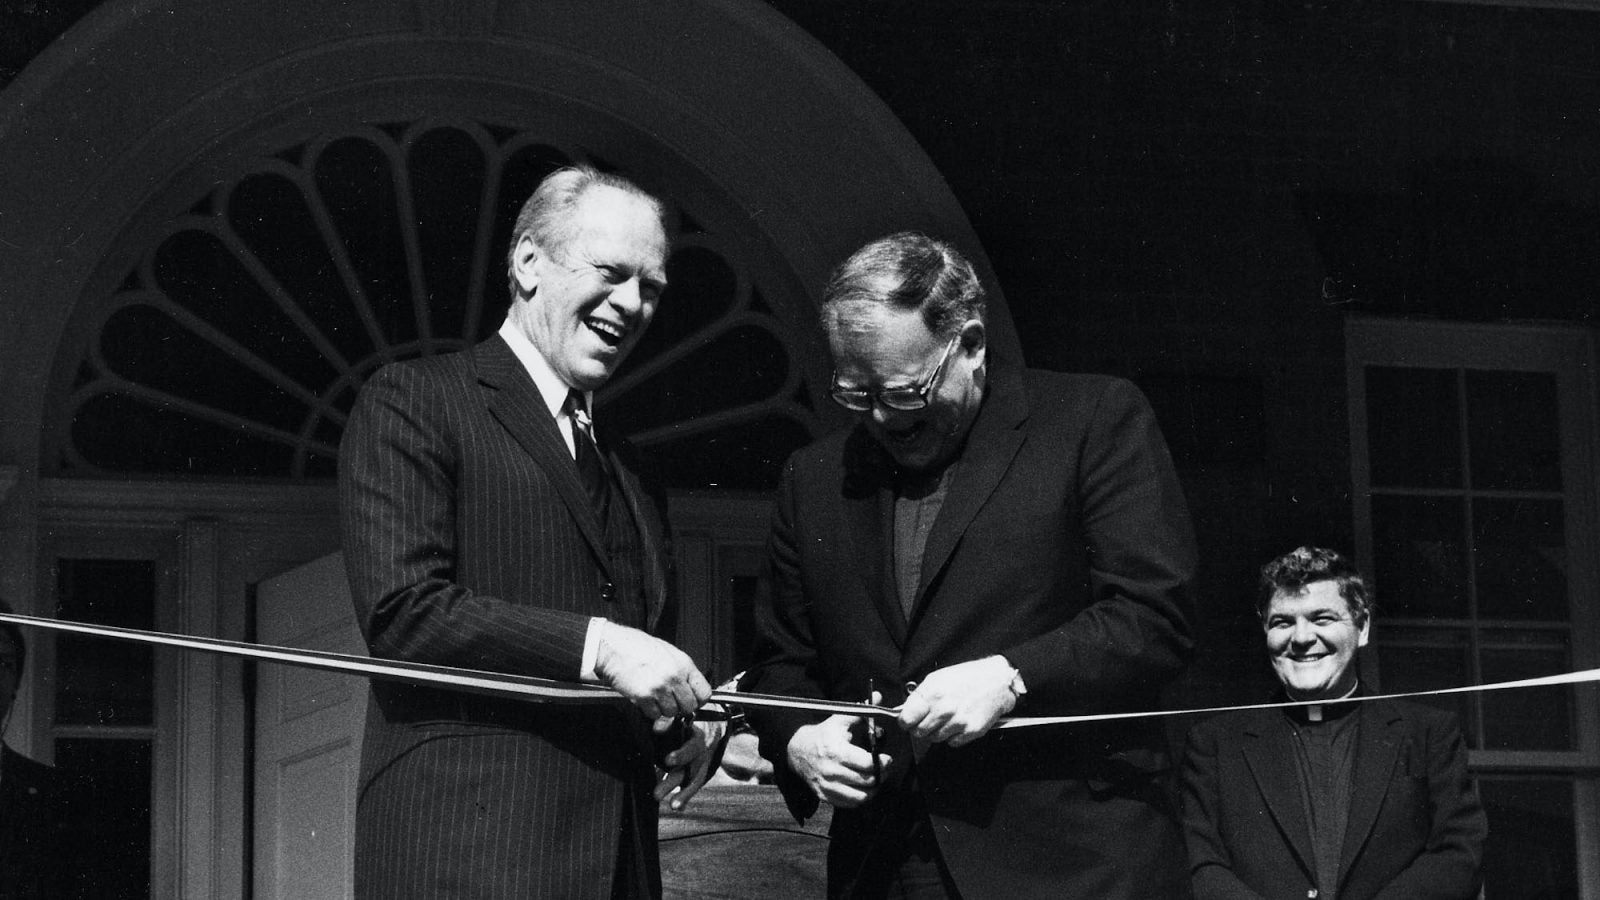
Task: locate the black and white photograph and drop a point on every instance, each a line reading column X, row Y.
column 780, row 449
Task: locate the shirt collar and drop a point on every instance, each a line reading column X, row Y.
column 1328, row 709
column 551, row 388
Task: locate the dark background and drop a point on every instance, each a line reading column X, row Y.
column 1195, row 196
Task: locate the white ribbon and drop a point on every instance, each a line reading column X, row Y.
column 1544, row 681
column 546, row 690
column 477, row 681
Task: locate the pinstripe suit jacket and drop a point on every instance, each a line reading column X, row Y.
column 469, row 541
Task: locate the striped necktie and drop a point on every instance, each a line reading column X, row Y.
column 590, row 468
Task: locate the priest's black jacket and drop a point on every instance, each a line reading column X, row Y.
column 1064, row 544
column 1415, row 831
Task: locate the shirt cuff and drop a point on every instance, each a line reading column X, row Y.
column 591, row 651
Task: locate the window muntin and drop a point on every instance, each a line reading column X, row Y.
column 235, row 344
column 1469, row 542
column 104, row 725
column 1474, row 467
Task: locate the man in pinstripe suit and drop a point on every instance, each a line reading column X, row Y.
column 483, row 529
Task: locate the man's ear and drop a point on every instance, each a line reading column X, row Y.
column 524, row 265
column 975, row 344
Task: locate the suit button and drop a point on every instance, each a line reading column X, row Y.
column 608, row 592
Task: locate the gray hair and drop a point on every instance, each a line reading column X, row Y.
column 908, row 271
column 548, row 216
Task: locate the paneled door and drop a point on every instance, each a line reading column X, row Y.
column 308, row 738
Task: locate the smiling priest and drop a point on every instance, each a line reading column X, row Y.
column 1341, row 798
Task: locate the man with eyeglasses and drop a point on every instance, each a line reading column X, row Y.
column 985, row 539
column 30, row 814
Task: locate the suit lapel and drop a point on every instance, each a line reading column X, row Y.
column 869, row 517
column 1269, row 753
column 1378, row 745
column 991, row 446
column 515, row 402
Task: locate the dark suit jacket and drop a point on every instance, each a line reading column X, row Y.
column 31, row 823
column 469, row 541
column 1415, row 831
column 1064, row 544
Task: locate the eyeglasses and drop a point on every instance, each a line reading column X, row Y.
column 906, row 399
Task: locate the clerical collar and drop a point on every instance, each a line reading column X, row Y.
column 1328, row 709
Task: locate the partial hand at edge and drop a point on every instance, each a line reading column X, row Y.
column 659, row 678
column 960, row 703
column 835, row 769
column 691, row 765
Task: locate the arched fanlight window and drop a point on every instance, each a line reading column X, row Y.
column 236, row 342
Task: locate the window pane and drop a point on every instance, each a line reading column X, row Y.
column 107, row 796
column 1513, row 431
column 101, row 681
column 1413, row 427
column 1532, row 846
column 738, row 565
column 228, row 348
column 449, row 170
column 742, row 589
column 1426, row 660
column 1522, row 559
column 1418, row 546
column 1527, row 718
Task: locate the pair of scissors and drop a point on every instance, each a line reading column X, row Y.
column 872, row 735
